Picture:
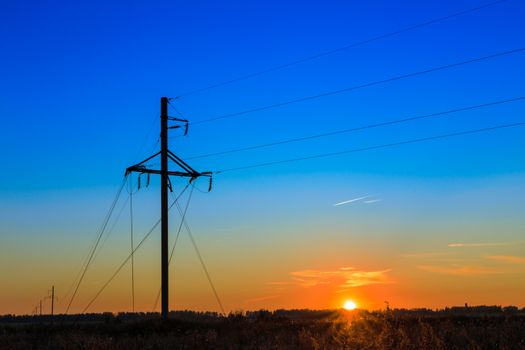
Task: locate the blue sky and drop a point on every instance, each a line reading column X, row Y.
column 81, row 82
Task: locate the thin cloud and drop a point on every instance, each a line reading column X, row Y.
column 507, row 258
column 344, row 278
column 348, row 268
column 478, row 245
column 424, row 255
column 458, row 270
column 364, row 278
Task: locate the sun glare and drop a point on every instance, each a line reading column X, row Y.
column 350, row 305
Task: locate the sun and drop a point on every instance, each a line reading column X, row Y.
column 349, row 305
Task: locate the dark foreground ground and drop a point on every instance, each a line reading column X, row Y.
column 297, row 329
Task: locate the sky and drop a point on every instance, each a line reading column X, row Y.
column 428, row 224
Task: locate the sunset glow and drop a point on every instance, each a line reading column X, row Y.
column 382, row 172
column 350, row 305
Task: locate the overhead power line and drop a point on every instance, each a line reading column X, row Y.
column 392, row 144
column 97, row 241
column 113, row 226
column 201, row 260
column 183, row 215
column 360, row 86
column 197, row 251
column 99, row 249
column 100, row 246
column 146, row 137
column 342, row 48
column 130, row 255
column 358, row 128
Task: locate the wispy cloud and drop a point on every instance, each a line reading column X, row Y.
column 477, row 245
column 363, row 278
column 508, row 259
column 343, row 278
column 351, row 201
column 458, row 270
column 424, row 255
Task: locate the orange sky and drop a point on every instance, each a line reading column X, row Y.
column 370, row 253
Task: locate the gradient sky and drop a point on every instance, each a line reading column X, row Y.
column 424, row 225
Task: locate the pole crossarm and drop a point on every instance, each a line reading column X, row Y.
column 144, row 170
column 188, row 170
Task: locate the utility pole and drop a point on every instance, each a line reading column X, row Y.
column 164, row 205
column 165, row 184
column 40, row 307
column 52, row 300
column 52, row 297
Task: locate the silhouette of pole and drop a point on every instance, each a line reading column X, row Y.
column 186, row 171
column 164, row 204
column 52, row 300
column 40, row 307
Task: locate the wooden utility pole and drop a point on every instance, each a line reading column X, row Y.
column 164, row 172
column 164, row 205
column 52, row 300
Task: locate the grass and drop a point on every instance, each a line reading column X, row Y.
column 282, row 329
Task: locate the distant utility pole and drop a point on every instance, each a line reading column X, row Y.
column 52, row 300
column 40, row 307
column 52, row 297
column 165, row 184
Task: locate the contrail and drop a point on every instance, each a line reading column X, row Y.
column 370, row 201
column 351, row 200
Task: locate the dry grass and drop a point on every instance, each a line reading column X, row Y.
column 301, row 329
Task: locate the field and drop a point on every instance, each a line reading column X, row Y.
column 456, row 328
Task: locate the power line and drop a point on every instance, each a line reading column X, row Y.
column 197, row 251
column 342, row 48
column 358, row 128
column 355, row 150
column 201, row 260
column 143, row 144
column 175, row 109
column 361, row 86
column 112, row 228
column 101, row 246
column 80, row 269
column 101, row 232
column 174, row 243
column 130, row 255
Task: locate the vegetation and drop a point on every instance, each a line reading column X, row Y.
column 456, row 328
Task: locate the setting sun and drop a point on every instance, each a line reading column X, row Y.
column 350, row 305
